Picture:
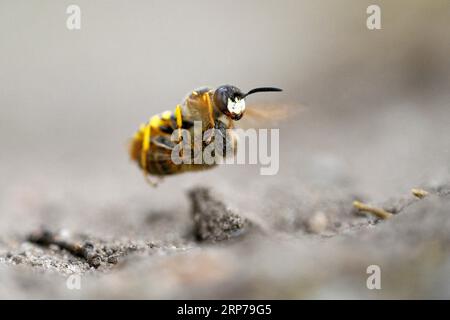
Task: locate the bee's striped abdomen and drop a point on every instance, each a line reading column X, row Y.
column 152, row 144
column 157, row 160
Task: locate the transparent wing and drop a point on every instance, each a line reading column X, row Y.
column 257, row 116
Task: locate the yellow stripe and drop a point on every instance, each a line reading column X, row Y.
column 179, row 120
column 145, row 146
column 152, row 124
column 155, row 122
column 178, row 116
column 166, row 115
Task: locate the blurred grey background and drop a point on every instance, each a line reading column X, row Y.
column 373, row 121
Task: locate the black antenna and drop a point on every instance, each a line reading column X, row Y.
column 262, row 89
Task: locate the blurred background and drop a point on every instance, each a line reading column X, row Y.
column 373, row 122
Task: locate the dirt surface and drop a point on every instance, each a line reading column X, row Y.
column 326, row 257
column 77, row 220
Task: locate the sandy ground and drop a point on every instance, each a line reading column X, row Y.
column 373, row 123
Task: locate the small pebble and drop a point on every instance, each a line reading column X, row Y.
column 318, row 222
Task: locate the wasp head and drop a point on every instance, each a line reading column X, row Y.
column 231, row 100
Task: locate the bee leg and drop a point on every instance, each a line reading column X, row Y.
column 148, row 180
column 230, row 123
column 210, row 108
column 209, row 135
column 208, row 138
column 224, row 138
column 163, row 143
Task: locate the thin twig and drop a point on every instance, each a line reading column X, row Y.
column 419, row 193
column 378, row 212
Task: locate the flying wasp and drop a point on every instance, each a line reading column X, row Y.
column 218, row 109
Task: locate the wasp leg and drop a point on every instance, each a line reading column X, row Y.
column 225, row 139
column 163, row 142
column 230, row 123
column 162, row 156
column 208, row 136
column 149, row 181
column 210, row 108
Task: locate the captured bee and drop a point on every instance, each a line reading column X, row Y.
column 217, row 109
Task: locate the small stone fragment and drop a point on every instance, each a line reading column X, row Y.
column 212, row 219
column 419, row 193
column 317, row 223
